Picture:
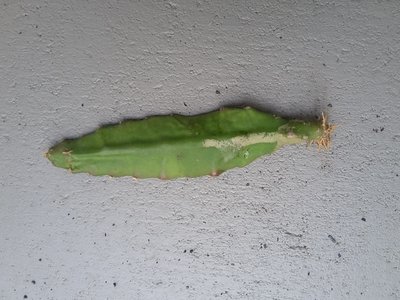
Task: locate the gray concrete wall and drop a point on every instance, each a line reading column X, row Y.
column 299, row 224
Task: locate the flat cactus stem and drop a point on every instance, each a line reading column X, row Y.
column 175, row 146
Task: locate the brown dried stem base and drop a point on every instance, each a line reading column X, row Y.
column 324, row 142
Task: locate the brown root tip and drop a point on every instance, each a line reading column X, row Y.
column 324, row 142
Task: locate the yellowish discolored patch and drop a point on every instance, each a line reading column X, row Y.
column 239, row 142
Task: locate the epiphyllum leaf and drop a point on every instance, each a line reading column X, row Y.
column 175, row 146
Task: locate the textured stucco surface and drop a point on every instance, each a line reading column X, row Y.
column 299, row 224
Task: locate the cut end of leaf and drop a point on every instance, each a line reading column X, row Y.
column 324, row 142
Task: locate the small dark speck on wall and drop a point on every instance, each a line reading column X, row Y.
column 363, row 219
column 33, row 282
column 25, row 296
column 333, row 240
column 114, row 284
column 217, row 92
